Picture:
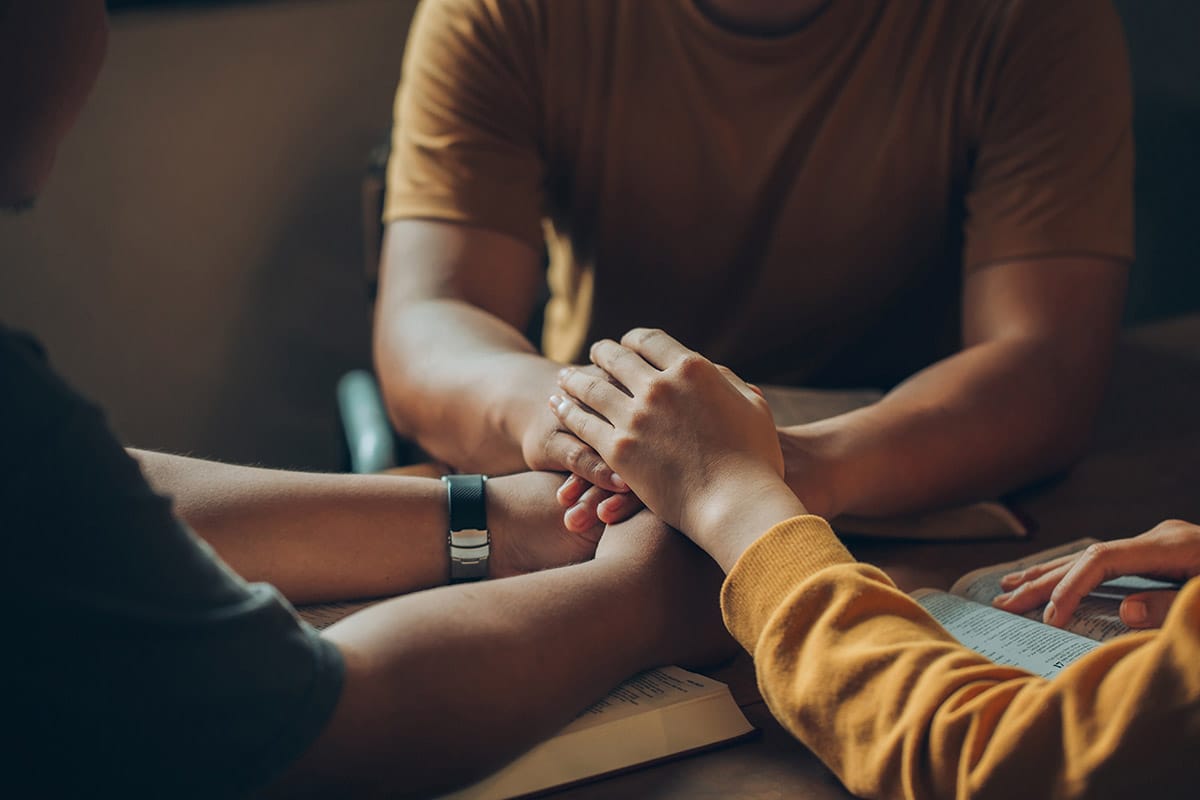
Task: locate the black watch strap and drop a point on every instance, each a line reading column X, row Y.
column 469, row 542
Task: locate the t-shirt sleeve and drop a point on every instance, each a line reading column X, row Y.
column 141, row 660
column 466, row 137
column 875, row 687
column 1052, row 115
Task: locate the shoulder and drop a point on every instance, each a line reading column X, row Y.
column 482, row 18
column 1007, row 24
column 1025, row 57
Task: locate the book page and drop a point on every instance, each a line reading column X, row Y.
column 658, row 714
column 647, row 691
column 1006, row 638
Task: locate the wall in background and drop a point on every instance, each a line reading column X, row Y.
column 1163, row 37
column 195, row 263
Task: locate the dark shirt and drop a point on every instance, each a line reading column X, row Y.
column 138, row 663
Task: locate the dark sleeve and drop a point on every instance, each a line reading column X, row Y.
column 143, row 662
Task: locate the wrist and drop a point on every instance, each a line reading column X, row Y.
column 518, row 414
column 738, row 515
column 812, row 469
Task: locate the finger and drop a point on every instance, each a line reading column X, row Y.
column 618, row 508
column 567, row 450
column 582, row 516
column 571, row 490
column 655, row 346
column 1098, row 563
column 1147, row 609
column 629, row 368
column 1033, row 593
column 1015, row 579
column 594, row 391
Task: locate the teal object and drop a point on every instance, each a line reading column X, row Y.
column 369, row 438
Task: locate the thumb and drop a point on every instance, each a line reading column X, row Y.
column 1146, row 609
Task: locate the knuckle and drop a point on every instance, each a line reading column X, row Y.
column 638, row 336
column 577, row 459
column 1171, row 526
column 693, row 365
column 658, row 391
column 1097, row 552
column 640, row 420
column 623, row 447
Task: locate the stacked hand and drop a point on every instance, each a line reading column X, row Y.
column 693, row 440
column 593, row 493
column 1170, row 551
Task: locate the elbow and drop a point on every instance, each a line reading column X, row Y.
column 399, row 381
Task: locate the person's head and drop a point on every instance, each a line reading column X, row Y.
column 50, row 54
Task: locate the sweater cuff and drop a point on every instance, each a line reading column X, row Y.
column 772, row 568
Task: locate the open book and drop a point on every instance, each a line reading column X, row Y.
column 983, row 520
column 1024, row 641
column 654, row 716
column 658, row 715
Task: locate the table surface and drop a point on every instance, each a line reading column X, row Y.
column 1141, row 468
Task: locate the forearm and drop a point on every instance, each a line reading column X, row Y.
column 975, row 425
column 447, row 685
column 462, row 382
column 314, row 536
column 862, row 675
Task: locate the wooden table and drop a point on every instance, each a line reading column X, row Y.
column 1143, row 467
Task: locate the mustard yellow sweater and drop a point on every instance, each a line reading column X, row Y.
column 864, row 677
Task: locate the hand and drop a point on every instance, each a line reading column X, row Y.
column 1169, row 551
column 546, row 445
column 690, row 437
column 681, row 588
column 586, row 504
column 527, row 526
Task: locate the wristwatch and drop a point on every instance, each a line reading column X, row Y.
column 469, row 541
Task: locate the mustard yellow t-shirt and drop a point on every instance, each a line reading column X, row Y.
column 801, row 208
column 868, row 680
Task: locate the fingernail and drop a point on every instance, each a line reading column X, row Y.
column 1009, row 580
column 563, row 373
column 1050, row 614
column 555, row 401
column 1134, row 611
column 1001, row 598
column 619, row 482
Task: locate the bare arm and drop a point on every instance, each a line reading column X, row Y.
column 456, row 369
column 1017, row 403
column 457, row 373
column 331, row 537
column 447, row 685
